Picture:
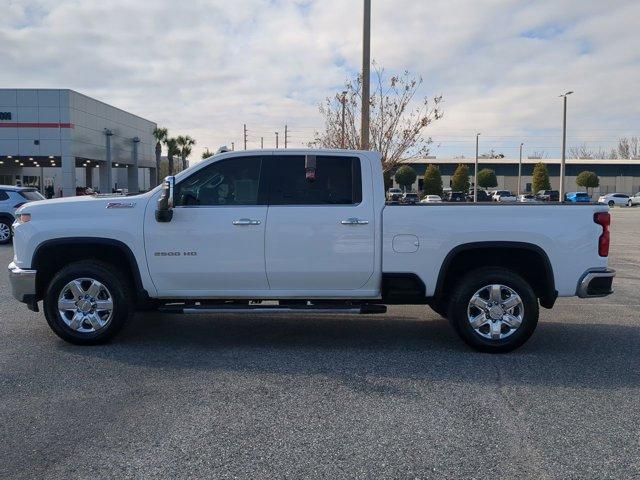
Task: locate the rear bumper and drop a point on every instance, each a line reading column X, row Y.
column 23, row 283
column 596, row 283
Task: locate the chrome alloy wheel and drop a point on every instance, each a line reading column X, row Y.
column 495, row 311
column 5, row 232
column 85, row 305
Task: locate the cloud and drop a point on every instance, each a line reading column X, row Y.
column 206, row 67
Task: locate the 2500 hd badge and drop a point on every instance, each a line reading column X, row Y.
column 175, row 254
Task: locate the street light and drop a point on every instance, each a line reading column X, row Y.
column 564, row 144
column 520, row 171
column 475, row 173
column 343, row 101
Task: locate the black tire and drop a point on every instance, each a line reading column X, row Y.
column 112, row 279
column 476, row 280
column 611, row 203
column 7, row 225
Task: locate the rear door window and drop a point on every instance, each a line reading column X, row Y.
column 337, row 181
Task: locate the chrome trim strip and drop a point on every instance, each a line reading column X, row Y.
column 23, row 282
column 588, row 276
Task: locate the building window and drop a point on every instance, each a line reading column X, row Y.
column 6, row 179
column 30, row 181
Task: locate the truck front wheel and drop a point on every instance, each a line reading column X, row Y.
column 494, row 310
column 87, row 302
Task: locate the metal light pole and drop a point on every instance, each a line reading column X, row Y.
column 344, row 101
column 244, row 130
column 564, row 144
column 366, row 63
column 276, row 139
column 475, row 173
column 520, row 171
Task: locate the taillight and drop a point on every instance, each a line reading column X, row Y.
column 604, row 220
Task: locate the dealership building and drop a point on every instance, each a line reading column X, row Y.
column 616, row 175
column 63, row 139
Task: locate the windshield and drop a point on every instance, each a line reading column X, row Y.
column 31, row 195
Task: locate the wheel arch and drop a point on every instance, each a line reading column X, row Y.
column 53, row 254
column 513, row 255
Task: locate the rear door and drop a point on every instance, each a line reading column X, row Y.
column 320, row 232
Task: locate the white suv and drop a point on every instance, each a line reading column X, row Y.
column 635, row 200
column 10, row 199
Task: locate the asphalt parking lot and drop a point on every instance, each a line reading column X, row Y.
column 393, row 396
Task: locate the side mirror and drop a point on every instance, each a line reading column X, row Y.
column 164, row 210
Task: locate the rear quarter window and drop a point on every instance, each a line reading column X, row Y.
column 3, row 196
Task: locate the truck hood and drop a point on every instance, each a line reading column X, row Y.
column 71, row 206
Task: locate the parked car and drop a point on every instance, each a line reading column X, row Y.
column 455, row 197
column 409, row 198
column 394, row 194
column 527, row 198
column 328, row 245
column 12, row 198
column 612, row 199
column 504, row 196
column 548, row 195
column 634, row 200
column 577, row 197
column 483, row 196
column 431, row 199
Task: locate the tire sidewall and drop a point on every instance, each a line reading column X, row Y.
column 122, row 305
column 473, row 282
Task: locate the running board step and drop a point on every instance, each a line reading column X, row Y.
column 286, row 309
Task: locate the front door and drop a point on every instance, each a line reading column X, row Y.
column 320, row 231
column 214, row 244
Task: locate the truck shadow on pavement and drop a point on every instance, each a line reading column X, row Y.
column 369, row 353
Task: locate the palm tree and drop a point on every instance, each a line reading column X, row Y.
column 172, row 150
column 185, row 142
column 160, row 134
column 207, row 153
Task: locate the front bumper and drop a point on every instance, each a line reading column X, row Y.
column 23, row 283
column 596, row 283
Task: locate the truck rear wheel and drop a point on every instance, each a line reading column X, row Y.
column 87, row 302
column 494, row 310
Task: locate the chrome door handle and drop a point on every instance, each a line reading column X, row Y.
column 246, row 221
column 354, row 221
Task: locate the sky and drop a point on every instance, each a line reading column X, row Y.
column 205, row 68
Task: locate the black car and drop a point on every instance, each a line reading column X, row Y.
column 483, row 196
column 455, row 197
column 548, row 195
column 410, row 198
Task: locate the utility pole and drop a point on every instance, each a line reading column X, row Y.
column 366, row 64
column 475, row 173
column 261, row 142
column 564, row 145
column 245, row 135
column 286, row 136
column 520, row 171
column 276, row 139
column 233, row 146
column 344, row 101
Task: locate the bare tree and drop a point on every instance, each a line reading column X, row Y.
column 538, row 155
column 397, row 122
column 628, row 148
column 584, row 152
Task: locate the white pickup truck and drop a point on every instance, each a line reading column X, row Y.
column 302, row 231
